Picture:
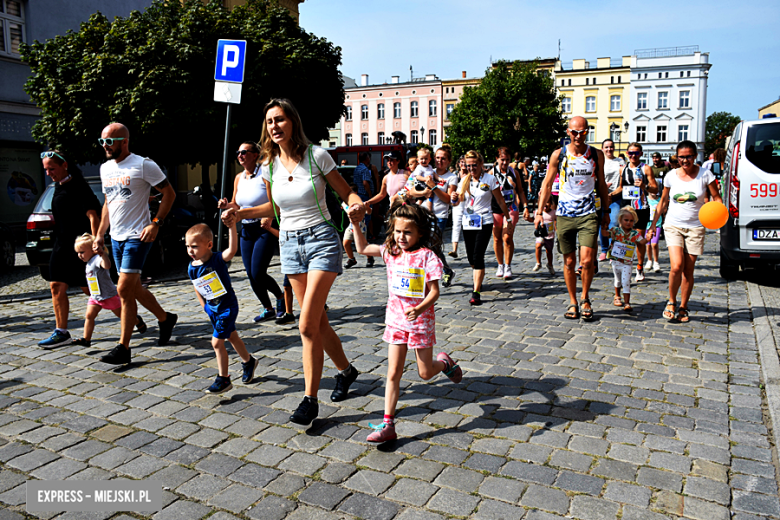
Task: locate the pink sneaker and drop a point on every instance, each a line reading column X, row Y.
column 452, row 371
column 602, row 257
column 384, row 432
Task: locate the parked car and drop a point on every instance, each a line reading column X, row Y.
column 40, row 229
column 7, row 248
column 751, row 191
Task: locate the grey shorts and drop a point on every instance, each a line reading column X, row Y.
column 317, row 248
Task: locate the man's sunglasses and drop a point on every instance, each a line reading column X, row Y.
column 577, row 133
column 49, row 155
column 109, row 140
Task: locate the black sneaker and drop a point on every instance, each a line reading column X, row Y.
column 287, row 318
column 446, row 280
column 342, row 385
column 140, row 326
column 249, row 370
column 350, row 263
column 307, row 411
column 166, row 328
column 220, row 385
column 370, row 261
column 81, row 342
column 119, row 355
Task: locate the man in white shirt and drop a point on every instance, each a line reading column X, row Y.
column 127, row 181
column 612, row 171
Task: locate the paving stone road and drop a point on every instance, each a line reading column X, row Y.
column 625, row 417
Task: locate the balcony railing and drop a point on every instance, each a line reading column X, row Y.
column 667, row 52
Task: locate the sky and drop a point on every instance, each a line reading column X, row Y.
column 382, row 39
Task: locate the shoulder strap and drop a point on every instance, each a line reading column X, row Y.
column 562, row 164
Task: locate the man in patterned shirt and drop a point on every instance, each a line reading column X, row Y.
column 581, row 170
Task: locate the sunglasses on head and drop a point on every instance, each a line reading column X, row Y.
column 49, row 155
column 109, row 140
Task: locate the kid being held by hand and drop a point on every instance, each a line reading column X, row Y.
column 209, row 274
column 622, row 248
column 102, row 291
column 413, row 274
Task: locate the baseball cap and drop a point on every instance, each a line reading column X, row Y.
column 392, row 155
column 656, row 154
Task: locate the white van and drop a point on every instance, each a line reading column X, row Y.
column 751, row 191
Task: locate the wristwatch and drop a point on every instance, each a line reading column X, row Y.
column 157, row 221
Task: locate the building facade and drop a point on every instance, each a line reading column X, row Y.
column 600, row 92
column 668, row 99
column 771, row 108
column 453, row 90
column 374, row 112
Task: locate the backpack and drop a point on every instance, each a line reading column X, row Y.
column 590, row 153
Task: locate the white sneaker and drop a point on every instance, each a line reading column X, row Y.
column 640, row 275
column 551, row 269
column 507, row 272
column 649, row 264
column 656, row 267
column 500, row 271
column 536, row 267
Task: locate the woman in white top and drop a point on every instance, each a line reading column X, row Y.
column 296, row 175
column 475, row 192
column 457, row 211
column 685, row 189
column 257, row 243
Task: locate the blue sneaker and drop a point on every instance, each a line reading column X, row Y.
column 249, row 370
column 280, row 308
column 220, row 385
column 268, row 314
column 57, row 339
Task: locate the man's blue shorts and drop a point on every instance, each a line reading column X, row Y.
column 224, row 322
column 130, row 254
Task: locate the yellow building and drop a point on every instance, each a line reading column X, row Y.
column 452, row 89
column 771, row 108
column 601, row 94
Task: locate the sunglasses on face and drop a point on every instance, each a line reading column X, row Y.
column 109, row 140
column 472, row 167
column 685, row 157
column 243, row 152
column 635, row 153
column 49, row 155
column 577, row 133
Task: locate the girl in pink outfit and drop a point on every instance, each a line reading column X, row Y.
column 413, row 274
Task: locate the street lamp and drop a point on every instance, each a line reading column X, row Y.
column 422, row 135
column 615, row 129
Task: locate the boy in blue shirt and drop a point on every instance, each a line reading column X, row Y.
column 209, row 274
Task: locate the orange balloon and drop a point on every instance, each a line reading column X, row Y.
column 713, row 215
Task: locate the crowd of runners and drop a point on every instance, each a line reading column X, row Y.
column 584, row 202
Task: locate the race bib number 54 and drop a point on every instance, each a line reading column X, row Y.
column 408, row 282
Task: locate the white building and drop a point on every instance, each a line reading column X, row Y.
column 668, row 99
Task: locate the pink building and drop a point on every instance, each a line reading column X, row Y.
column 374, row 112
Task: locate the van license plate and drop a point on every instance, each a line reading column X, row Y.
column 766, row 234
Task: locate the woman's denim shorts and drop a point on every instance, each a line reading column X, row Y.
column 317, row 248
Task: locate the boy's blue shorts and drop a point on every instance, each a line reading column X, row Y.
column 224, row 322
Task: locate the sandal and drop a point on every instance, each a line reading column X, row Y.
column 627, row 307
column 617, row 301
column 572, row 314
column 579, row 272
column 669, row 311
column 587, row 314
column 682, row 315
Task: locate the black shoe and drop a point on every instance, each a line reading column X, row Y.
column 140, row 326
column 307, row 411
column 370, row 261
column 249, row 370
column 287, row 318
column 166, row 328
column 350, row 263
column 119, row 355
column 446, row 280
column 220, row 385
column 81, row 342
column 342, row 385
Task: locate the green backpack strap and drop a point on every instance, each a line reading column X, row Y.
column 273, row 204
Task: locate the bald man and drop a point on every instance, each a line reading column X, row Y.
column 581, row 170
column 127, row 182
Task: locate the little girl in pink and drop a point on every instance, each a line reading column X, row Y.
column 413, row 274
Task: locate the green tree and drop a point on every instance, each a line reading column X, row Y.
column 720, row 125
column 153, row 71
column 515, row 105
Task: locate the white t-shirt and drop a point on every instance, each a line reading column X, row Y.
column 296, row 198
column 481, row 195
column 611, row 173
column 440, row 208
column 127, row 186
column 686, row 198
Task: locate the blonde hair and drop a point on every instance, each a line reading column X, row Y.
column 86, row 238
column 627, row 210
column 466, row 187
column 424, row 151
column 202, row 231
column 268, row 148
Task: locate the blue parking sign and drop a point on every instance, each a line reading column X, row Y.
column 231, row 58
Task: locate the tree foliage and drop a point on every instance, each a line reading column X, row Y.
column 154, row 72
column 720, row 125
column 515, row 105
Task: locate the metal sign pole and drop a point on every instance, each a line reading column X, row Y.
column 225, row 164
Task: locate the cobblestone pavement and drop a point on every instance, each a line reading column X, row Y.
column 625, row 417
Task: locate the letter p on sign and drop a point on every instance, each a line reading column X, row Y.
column 231, row 58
